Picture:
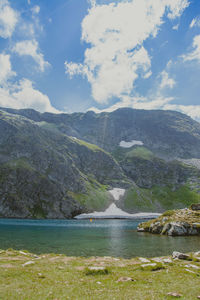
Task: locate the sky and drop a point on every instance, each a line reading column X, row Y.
column 79, row 55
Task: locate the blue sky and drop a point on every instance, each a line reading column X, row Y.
column 75, row 55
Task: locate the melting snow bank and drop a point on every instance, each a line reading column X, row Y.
column 117, row 193
column 130, row 144
column 113, row 212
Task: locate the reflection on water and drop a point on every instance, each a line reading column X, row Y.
column 85, row 238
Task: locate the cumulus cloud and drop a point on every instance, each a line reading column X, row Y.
column 191, row 110
column 166, row 81
column 195, row 22
column 31, row 48
column 195, row 54
column 115, row 32
column 24, row 95
column 36, row 9
column 8, row 19
column 20, row 94
column 5, row 68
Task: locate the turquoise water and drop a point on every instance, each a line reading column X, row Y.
column 117, row 238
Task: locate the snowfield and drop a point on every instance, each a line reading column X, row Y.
column 130, row 144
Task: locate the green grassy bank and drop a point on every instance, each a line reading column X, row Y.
column 27, row 276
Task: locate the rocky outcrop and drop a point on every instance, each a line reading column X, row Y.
column 174, row 223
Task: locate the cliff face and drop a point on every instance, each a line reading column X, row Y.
column 47, row 174
column 51, row 166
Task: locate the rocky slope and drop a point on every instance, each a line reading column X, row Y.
column 174, row 223
column 52, row 166
column 168, row 134
column 47, row 174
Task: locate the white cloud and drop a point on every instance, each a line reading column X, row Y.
column 24, row 95
column 5, row 68
column 8, row 19
column 116, row 56
column 166, row 81
column 175, row 27
column 195, row 22
column 191, row 110
column 36, row 9
column 195, row 54
column 31, row 48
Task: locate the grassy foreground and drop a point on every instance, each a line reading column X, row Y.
column 27, row 276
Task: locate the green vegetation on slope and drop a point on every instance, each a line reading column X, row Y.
column 96, row 198
column 159, row 198
column 136, row 151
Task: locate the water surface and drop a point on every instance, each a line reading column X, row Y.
column 117, row 238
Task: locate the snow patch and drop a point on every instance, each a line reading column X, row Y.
column 113, row 212
column 117, row 193
column 124, row 144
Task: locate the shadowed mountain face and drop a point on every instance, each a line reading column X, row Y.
column 60, row 165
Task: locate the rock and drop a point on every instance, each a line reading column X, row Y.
column 40, row 275
column 197, row 253
column 180, row 255
column 167, row 260
column 123, row 279
column 177, row 229
column 97, row 268
column 190, row 271
column 28, row 263
column 176, row 295
column 23, row 253
column 192, row 266
column 144, row 260
column 140, row 229
column 195, row 206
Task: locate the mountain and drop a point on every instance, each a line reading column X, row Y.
column 60, row 165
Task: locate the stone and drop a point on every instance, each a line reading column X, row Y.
column 23, row 253
column 176, row 295
column 28, row 263
column 40, row 275
column 140, row 229
column 144, row 260
column 180, row 255
column 123, row 279
column 195, row 206
column 192, row 266
column 97, row 268
column 177, row 229
column 167, row 260
column 190, row 271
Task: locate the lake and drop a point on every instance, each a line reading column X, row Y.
column 117, row 238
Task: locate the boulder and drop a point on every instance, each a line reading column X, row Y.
column 180, row 255
column 195, row 206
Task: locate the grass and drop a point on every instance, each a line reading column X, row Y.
column 97, row 198
column 61, row 277
column 160, row 198
column 92, row 147
column 136, row 151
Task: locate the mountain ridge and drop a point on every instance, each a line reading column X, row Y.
column 53, row 166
